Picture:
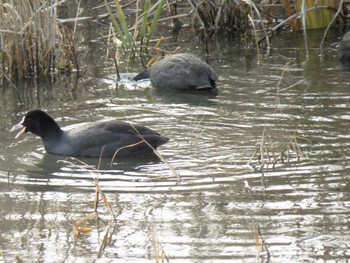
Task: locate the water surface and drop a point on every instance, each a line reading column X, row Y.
column 301, row 204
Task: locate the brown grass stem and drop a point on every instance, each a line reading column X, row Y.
column 271, row 151
column 31, row 40
column 260, row 243
column 80, row 230
column 339, row 10
column 171, row 168
column 262, row 25
column 107, row 239
column 124, row 147
column 159, row 253
column 99, row 195
column 115, row 60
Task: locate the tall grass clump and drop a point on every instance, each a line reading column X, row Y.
column 32, row 43
column 134, row 33
column 254, row 21
column 222, row 16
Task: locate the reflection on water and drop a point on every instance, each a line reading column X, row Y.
column 301, row 206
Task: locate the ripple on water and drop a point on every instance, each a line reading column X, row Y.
column 301, row 206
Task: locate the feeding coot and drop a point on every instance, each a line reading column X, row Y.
column 182, row 71
column 91, row 139
column 344, row 49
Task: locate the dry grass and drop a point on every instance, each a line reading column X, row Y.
column 136, row 33
column 171, row 168
column 159, row 254
column 278, row 146
column 82, row 226
column 221, row 15
column 261, row 244
column 270, row 150
column 79, row 226
column 32, row 42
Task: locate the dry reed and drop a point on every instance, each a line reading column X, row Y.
column 159, row 254
column 32, row 43
column 221, row 15
column 271, row 149
column 261, row 243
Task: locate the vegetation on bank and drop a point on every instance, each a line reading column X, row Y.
column 254, row 21
column 34, row 43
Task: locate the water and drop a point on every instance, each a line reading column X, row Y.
column 300, row 205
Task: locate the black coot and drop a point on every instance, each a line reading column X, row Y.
column 344, row 49
column 89, row 140
column 182, row 71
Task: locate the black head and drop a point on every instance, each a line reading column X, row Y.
column 39, row 123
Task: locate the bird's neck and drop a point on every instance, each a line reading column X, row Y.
column 52, row 131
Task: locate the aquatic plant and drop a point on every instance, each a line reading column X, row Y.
column 135, row 39
column 224, row 16
column 32, row 42
column 159, row 254
column 83, row 226
column 252, row 21
column 260, row 243
column 275, row 146
column 270, row 151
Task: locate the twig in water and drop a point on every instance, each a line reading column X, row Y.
column 172, row 169
column 331, row 23
column 258, row 236
column 79, row 230
column 107, row 239
column 114, row 57
column 159, row 252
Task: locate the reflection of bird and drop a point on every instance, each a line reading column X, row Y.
column 344, row 49
column 182, row 71
column 91, row 140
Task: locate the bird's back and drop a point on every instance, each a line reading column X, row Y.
column 106, row 137
column 184, row 72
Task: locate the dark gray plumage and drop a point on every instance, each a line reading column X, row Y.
column 88, row 140
column 182, row 71
column 344, row 49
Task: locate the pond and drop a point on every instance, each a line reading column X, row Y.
column 231, row 205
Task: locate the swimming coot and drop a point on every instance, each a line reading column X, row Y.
column 182, row 71
column 344, row 49
column 88, row 140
